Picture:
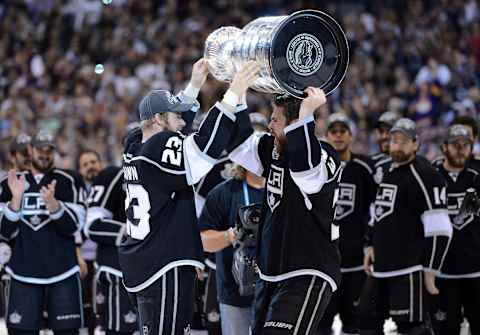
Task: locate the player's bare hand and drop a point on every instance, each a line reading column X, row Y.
column 429, row 280
column 368, row 260
column 83, row 267
column 199, row 73
column 48, row 195
column 17, row 187
column 244, row 78
column 315, row 99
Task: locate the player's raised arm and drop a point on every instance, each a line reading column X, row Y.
column 203, row 148
column 308, row 169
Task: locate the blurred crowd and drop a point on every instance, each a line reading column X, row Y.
column 80, row 67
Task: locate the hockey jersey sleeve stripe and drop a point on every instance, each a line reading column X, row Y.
column 365, row 165
column 437, row 248
column 9, row 213
column 93, row 214
column 110, row 187
column 78, row 211
column 437, row 222
column 128, row 159
column 303, row 146
column 202, row 149
column 72, row 181
column 311, row 181
column 197, row 164
column 422, row 186
column 247, row 156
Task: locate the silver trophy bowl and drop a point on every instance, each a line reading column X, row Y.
column 307, row 48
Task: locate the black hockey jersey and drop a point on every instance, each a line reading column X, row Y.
column 297, row 232
column 162, row 231
column 463, row 256
column 44, row 250
column 412, row 228
column 106, row 219
column 472, row 163
column 381, row 164
column 356, row 193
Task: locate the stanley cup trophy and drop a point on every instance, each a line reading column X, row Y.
column 307, row 48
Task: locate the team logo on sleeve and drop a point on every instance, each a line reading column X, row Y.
column 275, row 186
column 385, row 201
column 454, row 202
column 346, row 201
column 34, row 211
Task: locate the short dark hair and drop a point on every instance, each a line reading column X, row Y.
column 87, row 151
column 467, row 121
column 290, row 105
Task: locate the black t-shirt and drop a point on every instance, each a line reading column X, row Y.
column 220, row 213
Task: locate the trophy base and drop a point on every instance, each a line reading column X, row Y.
column 309, row 48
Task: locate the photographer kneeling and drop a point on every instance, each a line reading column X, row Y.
column 217, row 225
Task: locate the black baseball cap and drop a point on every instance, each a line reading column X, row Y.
column 20, row 142
column 44, row 138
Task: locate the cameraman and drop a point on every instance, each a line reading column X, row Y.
column 459, row 280
column 217, row 223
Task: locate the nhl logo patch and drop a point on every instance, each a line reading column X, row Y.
column 385, row 201
column 346, row 201
column 304, row 54
column 275, row 187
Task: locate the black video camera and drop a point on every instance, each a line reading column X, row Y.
column 244, row 265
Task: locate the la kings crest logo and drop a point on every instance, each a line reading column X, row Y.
column 275, row 186
column 454, row 203
column 346, row 201
column 34, row 211
column 385, row 201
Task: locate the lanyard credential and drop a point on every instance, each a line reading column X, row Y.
column 246, row 197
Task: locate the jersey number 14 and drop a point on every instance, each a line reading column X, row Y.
column 137, row 206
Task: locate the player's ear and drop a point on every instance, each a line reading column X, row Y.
column 443, row 147
column 160, row 119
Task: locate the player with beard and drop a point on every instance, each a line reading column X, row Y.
column 21, row 152
column 459, row 280
column 89, row 165
column 356, row 193
column 411, row 234
column 297, row 253
column 21, row 157
column 472, row 126
column 43, row 212
column 382, row 159
column 163, row 246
